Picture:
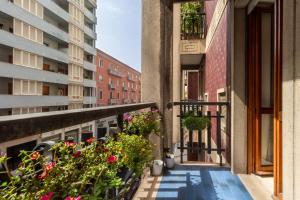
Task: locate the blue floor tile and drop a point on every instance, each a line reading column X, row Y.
column 201, row 183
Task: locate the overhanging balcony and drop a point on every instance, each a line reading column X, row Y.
column 115, row 73
column 192, row 39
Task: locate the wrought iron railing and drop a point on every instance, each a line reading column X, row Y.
column 193, row 27
column 214, row 112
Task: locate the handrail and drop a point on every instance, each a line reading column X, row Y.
column 19, row 126
column 193, row 28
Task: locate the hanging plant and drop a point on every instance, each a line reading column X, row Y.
column 194, row 122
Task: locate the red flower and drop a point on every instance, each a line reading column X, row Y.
column 73, row 198
column 69, row 144
column 77, row 154
column 43, row 175
column 35, row 155
column 50, row 166
column 111, row 159
column 90, row 140
column 47, row 196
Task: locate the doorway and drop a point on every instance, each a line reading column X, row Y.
column 264, row 93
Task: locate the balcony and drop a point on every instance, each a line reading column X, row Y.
column 192, row 39
column 125, row 88
column 113, row 101
column 126, row 101
column 115, row 73
column 111, row 86
column 130, row 78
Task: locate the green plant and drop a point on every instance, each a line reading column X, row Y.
column 142, row 123
column 77, row 171
column 190, row 13
column 194, row 122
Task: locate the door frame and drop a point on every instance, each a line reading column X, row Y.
column 253, row 53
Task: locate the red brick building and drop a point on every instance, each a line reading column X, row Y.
column 117, row 83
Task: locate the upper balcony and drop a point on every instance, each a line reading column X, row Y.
column 192, row 38
column 114, row 72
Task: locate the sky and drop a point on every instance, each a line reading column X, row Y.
column 119, row 30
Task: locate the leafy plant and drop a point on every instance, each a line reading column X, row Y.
column 191, row 17
column 77, row 171
column 143, row 123
column 194, row 122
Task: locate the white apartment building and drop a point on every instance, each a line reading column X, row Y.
column 47, row 62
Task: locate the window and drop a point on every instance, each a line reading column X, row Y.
column 118, row 95
column 118, row 82
column 110, row 95
column 100, row 94
column 101, row 63
column 100, row 77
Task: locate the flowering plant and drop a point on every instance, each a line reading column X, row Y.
column 143, row 123
column 77, row 171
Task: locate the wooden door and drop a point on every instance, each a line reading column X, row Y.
column 261, row 92
column 193, row 86
column 278, row 102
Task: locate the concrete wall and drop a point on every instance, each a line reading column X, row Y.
column 291, row 100
column 176, row 71
column 238, row 94
column 156, row 62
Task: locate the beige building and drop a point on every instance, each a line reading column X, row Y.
column 47, row 62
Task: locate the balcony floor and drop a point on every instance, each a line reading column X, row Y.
column 194, row 182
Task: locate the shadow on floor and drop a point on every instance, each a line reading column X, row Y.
column 190, row 182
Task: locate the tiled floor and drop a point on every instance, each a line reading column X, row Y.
column 194, row 182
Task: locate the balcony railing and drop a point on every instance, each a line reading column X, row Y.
column 217, row 115
column 125, row 88
column 20, row 126
column 111, row 86
column 113, row 101
column 193, row 28
column 115, row 73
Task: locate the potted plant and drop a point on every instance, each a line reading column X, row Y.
column 194, row 122
column 170, row 160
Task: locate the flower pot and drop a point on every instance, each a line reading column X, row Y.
column 170, row 161
column 157, row 167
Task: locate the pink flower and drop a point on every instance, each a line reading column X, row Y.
column 77, row 154
column 47, row 196
column 111, row 159
column 50, row 166
column 35, row 155
column 127, row 117
column 73, row 198
column 90, row 140
column 69, row 144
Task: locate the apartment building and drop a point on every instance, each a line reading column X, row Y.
column 117, row 83
column 47, row 62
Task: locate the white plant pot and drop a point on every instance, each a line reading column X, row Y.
column 157, row 167
column 170, row 162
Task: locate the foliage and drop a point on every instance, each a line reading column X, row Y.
column 143, row 123
column 191, row 15
column 77, row 171
column 194, row 122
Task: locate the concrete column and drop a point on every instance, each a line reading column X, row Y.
column 238, row 94
column 156, row 62
column 291, row 100
column 176, row 70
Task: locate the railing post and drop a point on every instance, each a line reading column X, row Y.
column 181, row 135
column 209, row 133
column 219, row 140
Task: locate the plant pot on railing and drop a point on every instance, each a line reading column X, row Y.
column 157, row 167
column 170, row 160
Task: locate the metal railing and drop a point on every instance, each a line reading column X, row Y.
column 214, row 112
column 193, row 27
column 20, row 126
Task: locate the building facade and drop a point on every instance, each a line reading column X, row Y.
column 249, row 59
column 117, row 83
column 47, row 62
